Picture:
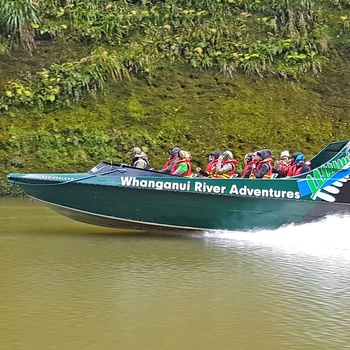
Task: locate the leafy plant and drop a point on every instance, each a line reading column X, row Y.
column 19, row 18
column 4, row 46
column 67, row 82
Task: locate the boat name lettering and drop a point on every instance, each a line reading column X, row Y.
column 204, row 187
column 158, row 185
column 48, row 177
column 269, row 192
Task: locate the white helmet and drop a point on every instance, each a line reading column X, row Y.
column 285, row 154
column 134, row 151
column 184, row 154
column 227, row 155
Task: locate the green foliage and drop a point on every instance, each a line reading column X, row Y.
column 64, row 83
column 340, row 3
column 19, row 18
column 186, row 58
column 345, row 23
column 243, row 35
column 4, row 46
column 198, row 112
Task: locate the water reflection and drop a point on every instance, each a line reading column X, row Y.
column 68, row 285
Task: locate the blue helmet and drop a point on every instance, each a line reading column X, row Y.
column 299, row 158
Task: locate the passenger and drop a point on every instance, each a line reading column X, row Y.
column 248, row 163
column 295, row 155
column 281, row 166
column 173, row 158
column 298, row 167
column 226, row 166
column 213, row 159
column 139, row 159
column 262, row 168
column 183, row 166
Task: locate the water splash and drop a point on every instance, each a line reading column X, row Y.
column 328, row 237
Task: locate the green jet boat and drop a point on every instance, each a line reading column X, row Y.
column 117, row 195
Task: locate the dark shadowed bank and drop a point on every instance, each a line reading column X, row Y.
column 160, row 101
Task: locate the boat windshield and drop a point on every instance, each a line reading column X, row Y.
column 104, row 167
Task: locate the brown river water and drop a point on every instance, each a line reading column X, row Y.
column 68, row 285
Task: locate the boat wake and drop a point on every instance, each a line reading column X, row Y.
column 328, row 237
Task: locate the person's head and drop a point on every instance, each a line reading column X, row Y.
column 184, row 154
column 214, row 155
column 227, row 155
column 300, row 159
column 134, row 151
column 285, row 155
column 295, row 155
column 262, row 154
column 174, row 152
column 248, row 157
column 257, row 156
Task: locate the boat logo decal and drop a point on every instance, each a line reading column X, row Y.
column 327, row 180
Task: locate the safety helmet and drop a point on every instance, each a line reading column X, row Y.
column 184, row 154
column 174, row 152
column 295, row 154
column 264, row 153
column 300, row 158
column 214, row 155
column 248, row 157
column 227, row 155
column 285, row 154
column 134, row 151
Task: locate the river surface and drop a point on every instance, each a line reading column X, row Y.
column 68, row 285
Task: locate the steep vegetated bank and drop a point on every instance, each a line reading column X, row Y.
column 85, row 81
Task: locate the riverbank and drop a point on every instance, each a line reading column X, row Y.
column 197, row 111
column 197, row 81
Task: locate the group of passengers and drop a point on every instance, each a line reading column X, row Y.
column 223, row 165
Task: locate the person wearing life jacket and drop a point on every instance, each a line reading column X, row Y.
column 282, row 165
column 173, row 158
column 298, row 167
column 248, row 163
column 139, row 158
column 213, row 159
column 183, row 166
column 226, row 166
column 262, row 168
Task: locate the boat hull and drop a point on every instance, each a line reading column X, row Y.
column 122, row 207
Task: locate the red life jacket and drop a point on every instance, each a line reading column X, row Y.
column 188, row 172
column 211, row 167
column 168, row 162
column 284, row 166
column 248, row 168
column 295, row 170
column 258, row 167
column 227, row 175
